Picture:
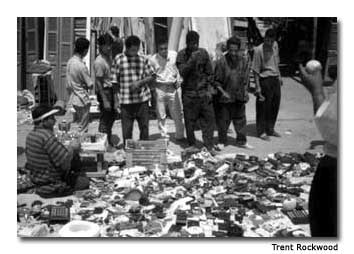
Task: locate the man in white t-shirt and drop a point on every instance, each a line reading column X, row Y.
column 79, row 82
column 167, row 85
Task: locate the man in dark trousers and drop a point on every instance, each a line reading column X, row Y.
column 117, row 48
column 268, row 83
column 104, row 86
column 231, row 78
column 134, row 75
column 195, row 67
column 78, row 83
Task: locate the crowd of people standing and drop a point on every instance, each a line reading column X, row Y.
column 196, row 91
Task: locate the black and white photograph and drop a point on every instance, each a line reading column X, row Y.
column 177, row 127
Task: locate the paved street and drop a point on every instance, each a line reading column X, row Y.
column 295, row 124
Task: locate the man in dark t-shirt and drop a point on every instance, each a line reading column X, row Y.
column 195, row 67
column 117, row 44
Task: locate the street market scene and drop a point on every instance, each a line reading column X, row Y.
column 235, row 132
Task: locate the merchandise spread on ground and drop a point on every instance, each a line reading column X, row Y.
column 201, row 196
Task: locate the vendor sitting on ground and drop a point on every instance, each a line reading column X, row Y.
column 54, row 169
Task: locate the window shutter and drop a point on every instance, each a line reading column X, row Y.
column 31, row 26
column 66, row 48
column 332, row 53
column 333, row 37
column 19, row 54
column 79, row 27
column 52, row 54
column 31, row 40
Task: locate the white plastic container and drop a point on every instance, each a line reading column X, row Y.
column 78, row 228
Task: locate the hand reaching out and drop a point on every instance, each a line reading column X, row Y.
column 313, row 82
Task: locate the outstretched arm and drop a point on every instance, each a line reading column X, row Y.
column 314, row 84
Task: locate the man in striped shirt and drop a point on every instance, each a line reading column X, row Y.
column 49, row 161
column 134, row 75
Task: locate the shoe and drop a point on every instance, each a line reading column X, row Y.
column 181, row 140
column 165, row 136
column 219, row 147
column 212, row 152
column 265, row 137
column 246, row 146
column 111, row 149
column 192, row 149
column 275, row 134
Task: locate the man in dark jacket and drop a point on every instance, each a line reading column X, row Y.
column 231, row 76
column 195, row 67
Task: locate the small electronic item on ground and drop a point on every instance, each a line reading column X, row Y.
column 59, row 215
column 146, row 153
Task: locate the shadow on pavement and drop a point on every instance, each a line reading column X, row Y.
column 251, row 130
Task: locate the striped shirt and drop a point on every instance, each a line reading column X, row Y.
column 130, row 69
column 45, row 156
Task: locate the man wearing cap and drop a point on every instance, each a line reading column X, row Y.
column 50, row 163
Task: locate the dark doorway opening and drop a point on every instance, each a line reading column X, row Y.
column 161, row 30
column 40, row 38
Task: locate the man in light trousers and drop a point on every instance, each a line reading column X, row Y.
column 167, row 90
